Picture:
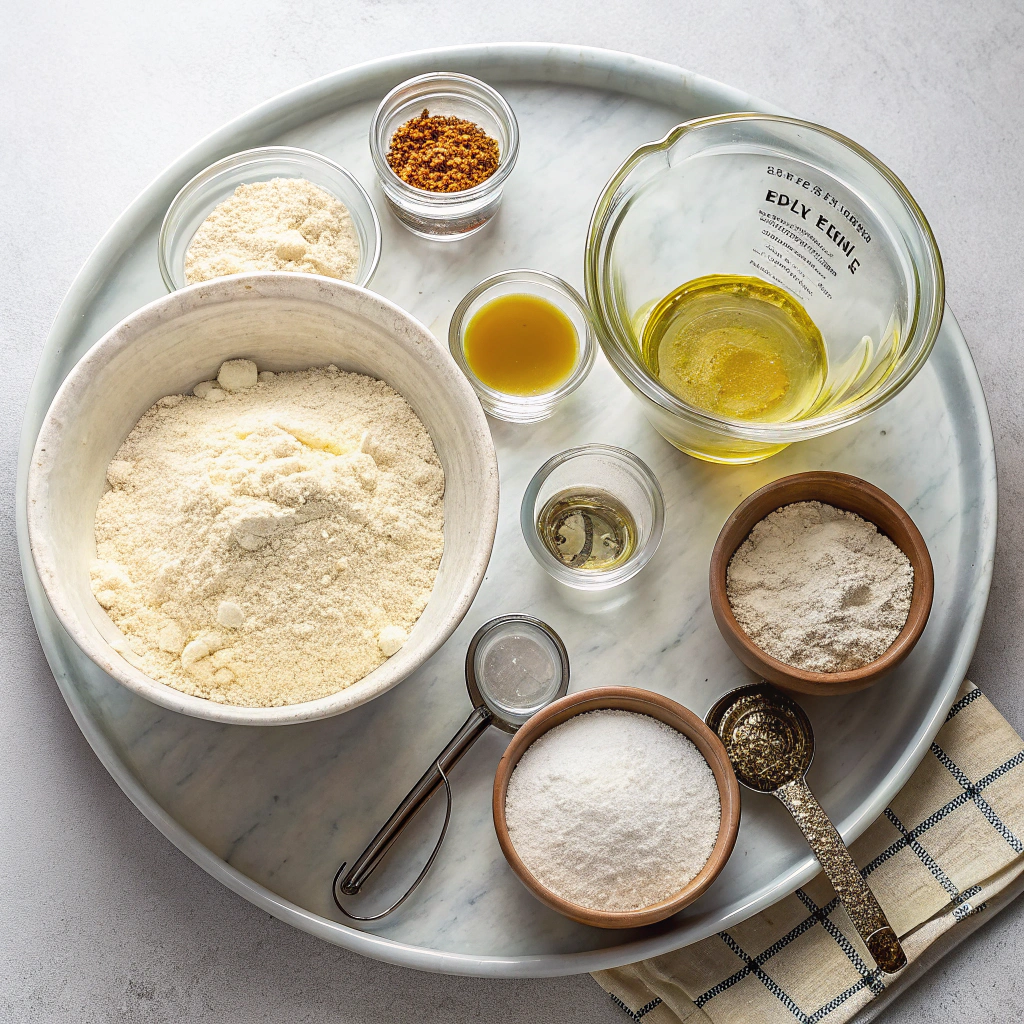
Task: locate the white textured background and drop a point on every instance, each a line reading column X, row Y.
column 101, row 918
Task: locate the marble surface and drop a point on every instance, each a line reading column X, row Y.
column 284, row 807
column 57, row 792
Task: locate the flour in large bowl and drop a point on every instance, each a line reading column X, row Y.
column 268, row 542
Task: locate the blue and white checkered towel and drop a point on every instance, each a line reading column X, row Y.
column 946, row 855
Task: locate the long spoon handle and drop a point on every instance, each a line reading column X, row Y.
column 365, row 863
column 867, row 916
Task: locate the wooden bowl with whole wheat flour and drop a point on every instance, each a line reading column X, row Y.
column 849, row 493
column 282, row 322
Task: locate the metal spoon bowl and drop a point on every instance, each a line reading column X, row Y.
column 770, row 743
column 767, row 735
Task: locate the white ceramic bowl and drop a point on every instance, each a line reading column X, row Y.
column 283, row 322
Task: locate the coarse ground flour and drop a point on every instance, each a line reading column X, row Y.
column 613, row 810
column 281, row 224
column 820, row 588
column 271, row 541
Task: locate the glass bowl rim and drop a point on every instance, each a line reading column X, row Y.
column 491, row 98
column 587, row 344
column 924, row 323
column 592, row 579
column 260, row 153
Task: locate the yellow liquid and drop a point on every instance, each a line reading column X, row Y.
column 521, row 345
column 738, row 347
column 589, row 529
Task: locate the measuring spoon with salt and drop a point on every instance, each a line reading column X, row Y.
column 770, row 743
column 515, row 666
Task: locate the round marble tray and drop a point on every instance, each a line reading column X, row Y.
column 272, row 812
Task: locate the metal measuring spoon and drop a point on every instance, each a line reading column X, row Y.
column 770, row 743
column 515, row 665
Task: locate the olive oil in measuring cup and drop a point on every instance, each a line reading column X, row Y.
column 738, row 347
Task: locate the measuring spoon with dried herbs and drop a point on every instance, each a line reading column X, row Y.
column 770, row 743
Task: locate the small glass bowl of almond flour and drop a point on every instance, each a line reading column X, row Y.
column 345, row 246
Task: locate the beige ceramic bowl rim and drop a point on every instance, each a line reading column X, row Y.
column 239, row 287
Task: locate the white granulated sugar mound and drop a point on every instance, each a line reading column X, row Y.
column 273, row 546
column 281, row 224
column 613, row 810
column 820, row 588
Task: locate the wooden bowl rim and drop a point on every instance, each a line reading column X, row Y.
column 755, row 507
column 625, row 698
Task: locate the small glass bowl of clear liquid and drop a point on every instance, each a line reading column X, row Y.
column 758, row 280
column 593, row 516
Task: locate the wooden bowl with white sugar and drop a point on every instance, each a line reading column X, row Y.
column 639, row 703
column 849, row 493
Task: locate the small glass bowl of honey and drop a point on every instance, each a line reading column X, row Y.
column 525, row 340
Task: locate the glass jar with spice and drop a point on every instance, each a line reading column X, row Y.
column 443, row 145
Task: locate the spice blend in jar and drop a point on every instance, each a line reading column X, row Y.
column 442, row 154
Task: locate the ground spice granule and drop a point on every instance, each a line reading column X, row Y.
column 442, row 154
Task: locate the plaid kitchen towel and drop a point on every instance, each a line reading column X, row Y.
column 945, row 856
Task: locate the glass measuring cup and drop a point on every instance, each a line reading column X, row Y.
column 515, row 665
column 787, row 202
